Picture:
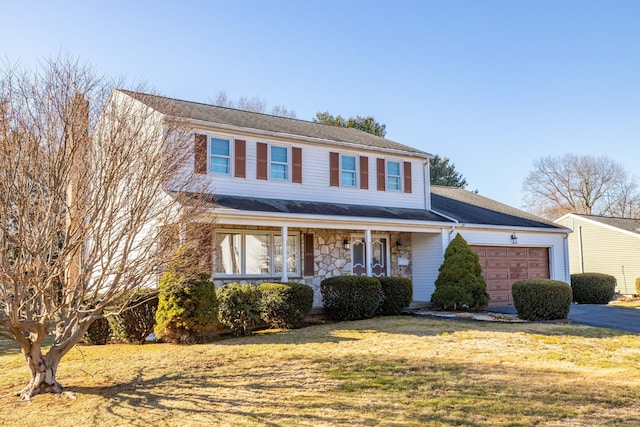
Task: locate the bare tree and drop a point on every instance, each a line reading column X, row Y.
column 88, row 189
column 580, row 184
column 255, row 104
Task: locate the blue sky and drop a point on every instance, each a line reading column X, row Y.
column 492, row 85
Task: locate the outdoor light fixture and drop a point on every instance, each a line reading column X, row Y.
column 514, row 238
column 346, row 245
column 398, row 244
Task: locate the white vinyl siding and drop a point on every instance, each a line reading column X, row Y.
column 315, row 179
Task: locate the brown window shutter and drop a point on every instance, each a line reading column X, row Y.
column 309, row 265
column 381, row 175
column 364, row 172
column 296, row 162
column 262, row 157
column 407, row 177
column 200, row 154
column 334, row 169
column 240, row 159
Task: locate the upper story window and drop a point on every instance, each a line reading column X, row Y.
column 393, row 175
column 220, row 156
column 348, row 171
column 279, row 163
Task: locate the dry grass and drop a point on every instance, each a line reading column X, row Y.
column 385, row 371
column 632, row 303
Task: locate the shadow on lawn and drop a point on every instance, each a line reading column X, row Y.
column 192, row 399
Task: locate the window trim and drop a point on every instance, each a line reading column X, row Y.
column 272, row 162
column 388, row 175
column 230, row 158
column 243, row 254
column 355, row 171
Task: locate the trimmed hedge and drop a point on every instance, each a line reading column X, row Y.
column 593, row 288
column 541, row 299
column 397, row 294
column 239, row 307
column 187, row 312
column 285, row 305
column 351, row 297
column 136, row 321
column 98, row 332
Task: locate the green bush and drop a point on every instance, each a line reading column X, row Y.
column 541, row 299
column 98, row 333
column 285, row 305
column 351, row 297
column 460, row 283
column 137, row 319
column 397, row 294
column 187, row 304
column 593, row 288
column 239, row 307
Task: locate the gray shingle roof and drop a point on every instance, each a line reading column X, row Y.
column 257, row 204
column 264, row 122
column 627, row 224
column 471, row 208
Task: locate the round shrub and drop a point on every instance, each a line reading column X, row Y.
column 593, row 288
column 285, row 305
column 541, row 299
column 397, row 294
column 460, row 283
column 98, row 333
column 239, row 307
column 137, row 319
column 351, row 297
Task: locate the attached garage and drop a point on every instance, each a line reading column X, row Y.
column 502, row 266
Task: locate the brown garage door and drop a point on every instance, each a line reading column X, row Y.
column 502, row 266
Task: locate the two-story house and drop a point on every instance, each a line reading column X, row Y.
column 301, row 201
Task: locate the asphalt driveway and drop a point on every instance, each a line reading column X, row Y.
column 603, row 316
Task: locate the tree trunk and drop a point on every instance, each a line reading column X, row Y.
column 43, row 374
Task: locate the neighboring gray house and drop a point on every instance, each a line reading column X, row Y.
column 346, row 202
column 608, row 245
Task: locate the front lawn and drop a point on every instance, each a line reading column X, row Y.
column 395, row 371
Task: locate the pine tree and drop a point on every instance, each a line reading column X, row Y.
column 460, row 283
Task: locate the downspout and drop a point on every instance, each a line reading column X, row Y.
column 567, row 272
column 580, row 250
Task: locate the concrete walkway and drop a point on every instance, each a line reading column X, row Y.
column 603, row 316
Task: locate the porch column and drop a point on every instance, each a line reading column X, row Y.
column 367, row 243
column 284, row 233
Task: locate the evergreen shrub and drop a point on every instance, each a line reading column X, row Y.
column 541, row 299
column 98, row 333
column 285, row 305
column 593, row 288
column 239, row 307
column 397, row 294
column 351, row 297
column 460, row 283
column 187, row 304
